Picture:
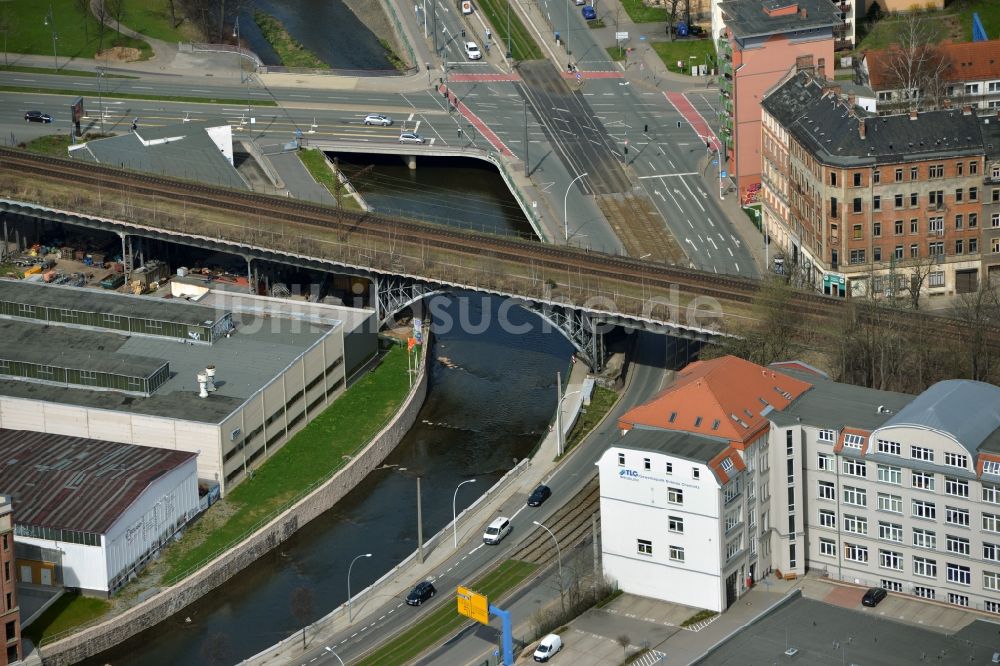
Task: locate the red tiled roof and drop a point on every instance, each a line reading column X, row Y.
column 721, row 398
column 970, row 61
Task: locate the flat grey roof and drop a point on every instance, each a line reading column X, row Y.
column 195, row 157
column 108, row 302
column 967, row 410
column 681, row 444
column 260, row 348
column 828, row 127
column 74, row 483
column 748, row 18
column 830, row 404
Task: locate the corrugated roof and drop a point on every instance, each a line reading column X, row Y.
column 967, row 410
column 833, row 405
column 967, row 61
column 723, row 397
column 753, row 18
column 681, row 444
column 75, row 483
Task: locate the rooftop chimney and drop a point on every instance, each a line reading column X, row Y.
column 202, row 385
column 913, row 115
column 210, row 376
column 966, row 110
column 861, row 128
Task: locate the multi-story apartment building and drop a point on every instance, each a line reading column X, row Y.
column 991, row 201
column 895, row 201
column 10, row 616
column 872, row 487
column 970, row 76
column 758, row 42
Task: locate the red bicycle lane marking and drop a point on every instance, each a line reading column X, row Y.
column 698, row 123
column 483, row 128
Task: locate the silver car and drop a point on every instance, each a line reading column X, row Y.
column 378, row 119
column 410, row 137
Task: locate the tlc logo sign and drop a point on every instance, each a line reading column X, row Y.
column 629, row 474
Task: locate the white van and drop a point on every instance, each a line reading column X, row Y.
column 496, row 531
column 548, row 647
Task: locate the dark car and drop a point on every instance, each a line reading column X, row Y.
column 589, row 13
column 540, row 494
column 37, row 117
column 421, row 593
column 696, row 30
column 873, row 597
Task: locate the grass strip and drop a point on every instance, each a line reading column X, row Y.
column 29, row 28
column 315, row 163
column 291, row 52
column 698, row 617
column 61, row 72
column 159, row 98
column 688, row 51
column 154, row 18
column 58, row 144
column 444, row 620
column 391, row 56
column 640, row 13
column 601, row 402
column 522, row 44
column 314, row 454
column 616, row 53
column 69, row 611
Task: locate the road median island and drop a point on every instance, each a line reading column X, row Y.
column 445, row 620
column 522, row 44
column 35, row 90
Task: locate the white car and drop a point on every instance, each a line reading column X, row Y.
column 496, row 531
column 378, row 119
column 472, row 51
column 410, row 137
column 548, row 647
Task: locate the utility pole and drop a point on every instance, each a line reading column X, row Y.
column 420, row 527
column 525, row 137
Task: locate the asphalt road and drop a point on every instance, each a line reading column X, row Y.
column 394, row 616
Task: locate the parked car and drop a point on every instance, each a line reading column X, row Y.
column 540, row 494
column 696, row 31
column 589, row 13
column 580, row 2
column 410, row 137
column 37, row 117
column 378, row 119
column 496, row 531
column 548, row 647
column 421, row 593
column 873, row 596
column 681, row 29
column 472, row 51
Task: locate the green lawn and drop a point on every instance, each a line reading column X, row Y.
column 315, row 162
column 601, row 403
column 314, row 454
column 989, row 14
column 69, row 611
column 25, row 25
column 292, row 53
column 954, row 23
column 445, row 620
column 522, row 44
column 640, row 13
column 883, row 33
column 683, row 49
column 92, row 99
column 152, row 18
column 61, row 72
column 616, row 53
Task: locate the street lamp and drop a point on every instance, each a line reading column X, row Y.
column 454, row 512
column 50, row 20
column 560, row 436
column 239, row 62
column 100, row 95
column 558, row 560
column 330, row 650
column 565, row 212
column 349, row 616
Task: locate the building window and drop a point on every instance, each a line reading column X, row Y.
column 833, row 178
column 876, row 202
column 827, row 547
column 956, row 460
column 958, row 221
column 898, row 201
column 914, row 172
column 913, row 225
column 913, row 199
column 858, row 234
column 675, row 496
column 923, row 566
column 675, row 524
column 855, row 496
column 857, row 179
column 647, row 463
column 991, row 467
column 957, row 545
column 644, row 547
column 991, row 522
column 676, row 553
column 973, row 194
column 973, row 243
column 731, row 491
column 824, row 461
column 935, row 278
column 973, row 168
column 958, row 599
column 855, row 552
column 855, row 467
column 935, row 224
column 792, row 563
column 973, row 224
column 923, row 480
column 959, row 168
column 890, row 531
column 899, row 175
column 936, row 171
column 922, row 453
column 833, row 206
column 891, row 503
column 958, row 195
column 727, row 465
column 876, row 176
column 959, row 574
column 826, row 490
column 828, row 436
column 889, row 559
column 827, row 518
column 922, row 509
column 621, row 458
column 854, row 441
column 898, row 252
column 857, row 256
column 924, row 592
column 898, row 227
column 971, row 88
column 855, row 524
column 959, row 246
column 856, row 205
column 992, row 606
column 991, row 581
column 695, row 473
column 914, row 251
column 955, row 516
column 885, row 446
column 890, row 474
column 991, row 493
column 924, row 538
column 669, row 468
column 991, row 551
column 956, row 487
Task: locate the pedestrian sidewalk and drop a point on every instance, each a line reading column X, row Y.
column 438, row 549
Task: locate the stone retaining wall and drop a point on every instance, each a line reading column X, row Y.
column 97, row 639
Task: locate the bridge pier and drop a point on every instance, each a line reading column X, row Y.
column 411, row 161
column 252, row 288
column 126, row 254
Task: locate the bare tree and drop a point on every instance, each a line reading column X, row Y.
column 916, row 67
column 672, row 8
column 173, row 12
column 101, row 14
column 624, row 640
column 919, row 270
column 980, row 311
column 116, row 8
column 7, row 23
column 301, row 603
column 772, row 334
column 84, row 7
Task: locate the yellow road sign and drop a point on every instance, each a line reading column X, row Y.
column 473, row 605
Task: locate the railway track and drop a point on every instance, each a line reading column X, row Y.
column 571, row 524
column 290, row 215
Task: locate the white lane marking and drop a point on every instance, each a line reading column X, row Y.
column 476, row 548
column 671, row 164
column 660, row 194
column 409, row 118
column 142, row 87
column 737, row 266
column 692, row 195
column 730, row 252
column 201, row 91
column 735, row 240
column 416, row 128
column 689, row 224
column 354, row 634
column 523, row 506
column 26, row 80
column 381, row 618
column 671, row 175
column 712, row 241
